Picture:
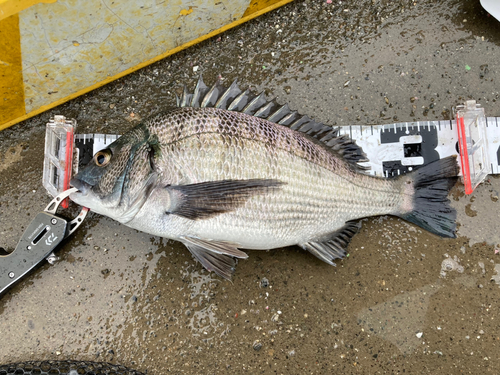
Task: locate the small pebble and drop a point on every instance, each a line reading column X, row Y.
column 257, row 345
column 419, row 334
column 264, row 283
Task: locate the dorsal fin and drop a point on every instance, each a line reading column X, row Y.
column 211, row 97
column 199, row 93
column 185, row 99
column 346, row 148
column 240, row 101
column 234, row 99
column 228, row 96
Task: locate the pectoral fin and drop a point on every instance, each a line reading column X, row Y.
column 208, row 199
column 334, row 245
column 218, row 257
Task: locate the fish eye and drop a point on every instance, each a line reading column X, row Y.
column 102, row 158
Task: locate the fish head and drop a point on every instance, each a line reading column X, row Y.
column 120, row 178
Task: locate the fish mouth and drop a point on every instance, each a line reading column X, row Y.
column 82, row 186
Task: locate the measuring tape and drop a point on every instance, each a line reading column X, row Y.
column 398, row 148
column 392, row 149
column 88, row 144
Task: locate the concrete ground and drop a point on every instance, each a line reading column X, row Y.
column 404, row 301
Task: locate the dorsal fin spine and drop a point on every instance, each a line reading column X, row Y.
column 199, row 92
column 240, row 101
column 263, row 112
column 228, row 95
column 279, row 113
column 234, row 99
column 212, row 95
column 255, row 104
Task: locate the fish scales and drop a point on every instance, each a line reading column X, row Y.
column 223, row 145
column 186, row 122
column 221, row 181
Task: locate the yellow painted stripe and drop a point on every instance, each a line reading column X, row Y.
column 11, row 7
column 258, row 5
column 11, row 72
column 270, row 6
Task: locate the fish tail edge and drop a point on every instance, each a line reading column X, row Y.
column 429, row 187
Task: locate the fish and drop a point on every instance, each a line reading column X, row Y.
column 227, row 171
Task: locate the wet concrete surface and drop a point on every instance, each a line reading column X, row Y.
column 404, row 301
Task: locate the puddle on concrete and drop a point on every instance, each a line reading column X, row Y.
column 70, row 294
column 11, row 157
column 400, row 320
column 481, row 206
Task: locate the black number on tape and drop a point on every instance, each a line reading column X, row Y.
column 86, row 151
column 426, row 149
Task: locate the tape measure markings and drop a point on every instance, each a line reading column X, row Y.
column 392, row 149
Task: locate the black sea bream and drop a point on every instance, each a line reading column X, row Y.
column 228, row 170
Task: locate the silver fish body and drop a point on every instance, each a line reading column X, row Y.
column 319, row 192
column 221, row 181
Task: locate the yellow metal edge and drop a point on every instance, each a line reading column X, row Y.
column 144, row 64
column 12, row 101
column 11, row 7
column 257, row 5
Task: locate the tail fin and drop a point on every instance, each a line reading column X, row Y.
column 431, row 185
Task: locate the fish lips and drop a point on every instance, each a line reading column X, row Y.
column 82, row 186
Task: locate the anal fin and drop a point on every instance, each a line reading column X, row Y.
column 333, row 246
column 216, row 256
column 217, row 247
